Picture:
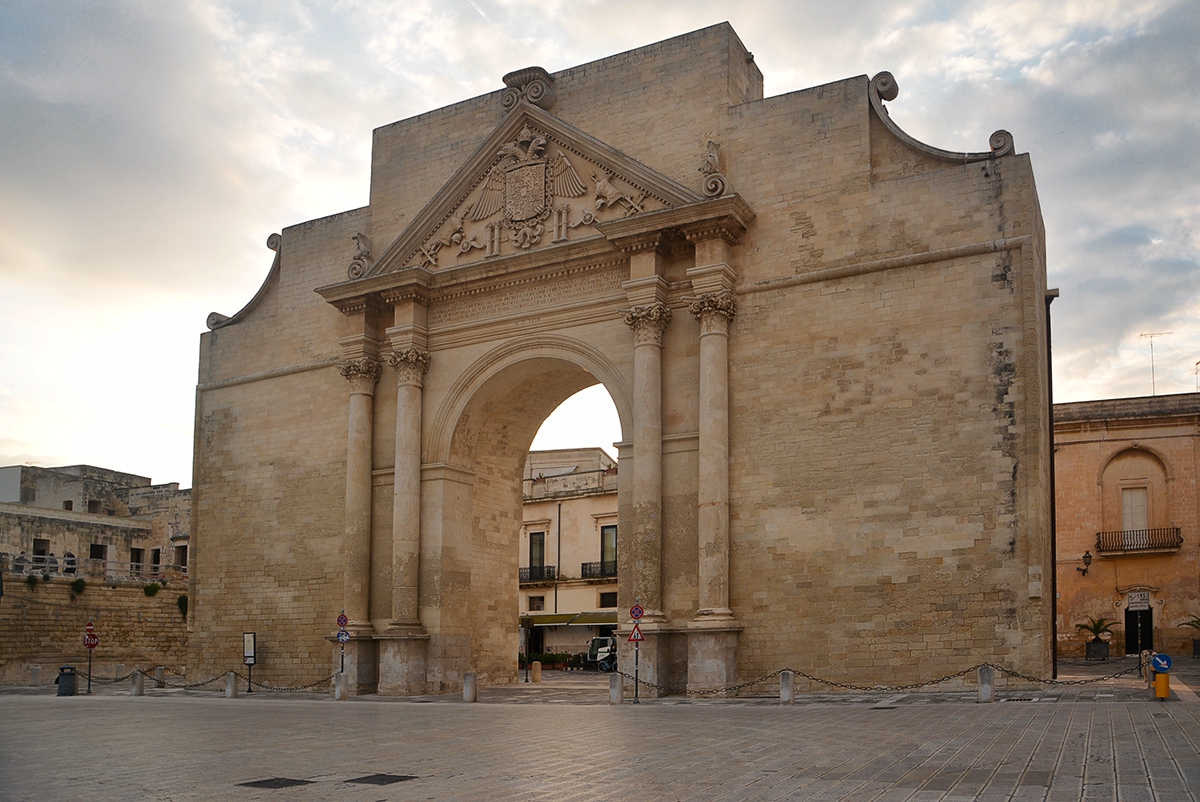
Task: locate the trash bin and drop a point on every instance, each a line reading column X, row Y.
column 66, row 680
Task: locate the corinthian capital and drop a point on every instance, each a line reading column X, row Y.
column 410, row 365
column 648, row 322
column 362, row 373
column 714, row 311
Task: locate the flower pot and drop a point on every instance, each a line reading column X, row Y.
column 1097, row 650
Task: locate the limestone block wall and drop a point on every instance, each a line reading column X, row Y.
column 888, row 437
column 44, row 626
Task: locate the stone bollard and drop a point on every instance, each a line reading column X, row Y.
column 339, row 686
column 787, row 688
column 35, row 675
column 470, row 692
column 616, row 689
column 160, row 677
column 1147, row 671
column 987, row 684
column 119, row 671
column 139, row 683
column 231, row 685
column 536, row 670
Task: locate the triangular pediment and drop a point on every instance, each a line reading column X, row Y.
column 536, row 182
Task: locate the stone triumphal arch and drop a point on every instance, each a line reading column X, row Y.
column 825, row 342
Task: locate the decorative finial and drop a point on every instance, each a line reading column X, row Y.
column 531, row 84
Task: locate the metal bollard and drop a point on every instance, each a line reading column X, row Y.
column 470, row 692
column 536, row 667
column 616, row 689
column 230, row 685
column 35, row 675
column 339, row 686
column 987, row 684
column 160, row 676
column 787, row 688
column 139, row 683
column 1162, row 687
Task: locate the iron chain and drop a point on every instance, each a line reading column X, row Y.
column 881, row 688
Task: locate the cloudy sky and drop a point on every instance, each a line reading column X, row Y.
column 148, row 147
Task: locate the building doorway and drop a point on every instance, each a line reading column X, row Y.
column 1139, row 631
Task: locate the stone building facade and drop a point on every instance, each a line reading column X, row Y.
column 123, row 533
column 567, row 551
column 825, row 341
column 1128, row 519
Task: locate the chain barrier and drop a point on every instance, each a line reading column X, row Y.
column 279, row 689
column 883, row 688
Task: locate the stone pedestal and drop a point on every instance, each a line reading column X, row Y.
column 402, row 663
column 653, row 661
column 362, row 663
column 712, row 655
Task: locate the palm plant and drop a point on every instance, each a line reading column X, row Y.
column 1096, row 626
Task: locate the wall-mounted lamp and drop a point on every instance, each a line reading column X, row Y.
column 1087, row 562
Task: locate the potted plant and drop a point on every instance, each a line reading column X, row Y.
column 1097, row 649
column 1194, row 623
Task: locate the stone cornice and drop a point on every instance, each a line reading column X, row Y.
column 726, row 217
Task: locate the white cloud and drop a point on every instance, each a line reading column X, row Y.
column 147, row 149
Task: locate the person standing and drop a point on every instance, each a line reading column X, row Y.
column 20, row 563
column 52, row 564
column 69, row 563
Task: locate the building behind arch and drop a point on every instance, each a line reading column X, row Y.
column 1126, row 485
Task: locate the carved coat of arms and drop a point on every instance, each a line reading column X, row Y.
column 523, row 184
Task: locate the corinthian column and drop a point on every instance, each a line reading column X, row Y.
column 648, row 323
column 410, row 365
column 362, row 373
column 715, row 311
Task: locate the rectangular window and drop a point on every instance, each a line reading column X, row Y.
column 537, row 604
column 94, row 506
column 68, row 505
column 181, row 556
column 1133, row 508
column 537, row 550
column 137, row 557
column 608, row 551
column 98, row 551
column 608, row 600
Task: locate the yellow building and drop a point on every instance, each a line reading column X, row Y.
column 1128, row 537
column 568, row 550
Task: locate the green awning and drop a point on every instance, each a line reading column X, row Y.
column 569, row 619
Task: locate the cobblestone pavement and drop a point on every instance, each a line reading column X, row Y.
column 559, row 741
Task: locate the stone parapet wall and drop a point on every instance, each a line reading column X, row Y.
column 44, row 626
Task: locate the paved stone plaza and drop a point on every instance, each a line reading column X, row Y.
column 560, row 741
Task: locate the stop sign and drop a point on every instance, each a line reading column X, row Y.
column 91, row 641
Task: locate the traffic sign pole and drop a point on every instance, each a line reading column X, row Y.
column 91, row 640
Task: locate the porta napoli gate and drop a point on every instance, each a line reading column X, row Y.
column 548, row 262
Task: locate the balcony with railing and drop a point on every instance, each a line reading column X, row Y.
column 537, row 573
column 1139, row 541
column 598, row 570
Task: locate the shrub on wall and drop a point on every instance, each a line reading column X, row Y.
column 78, row 586
column 182, row 604
column 151, row 588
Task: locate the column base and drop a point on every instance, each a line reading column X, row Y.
column 653, row 658
column 361, row 662
column 712, row 653
column 402, row 661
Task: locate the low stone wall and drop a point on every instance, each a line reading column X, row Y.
column 44, row 626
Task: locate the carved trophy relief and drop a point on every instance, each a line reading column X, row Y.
column 534, row 193
column 713, row 170
column 360, row 262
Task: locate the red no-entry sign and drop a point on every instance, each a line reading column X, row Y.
column 89, row 627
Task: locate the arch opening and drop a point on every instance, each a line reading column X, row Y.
column 488, row 531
